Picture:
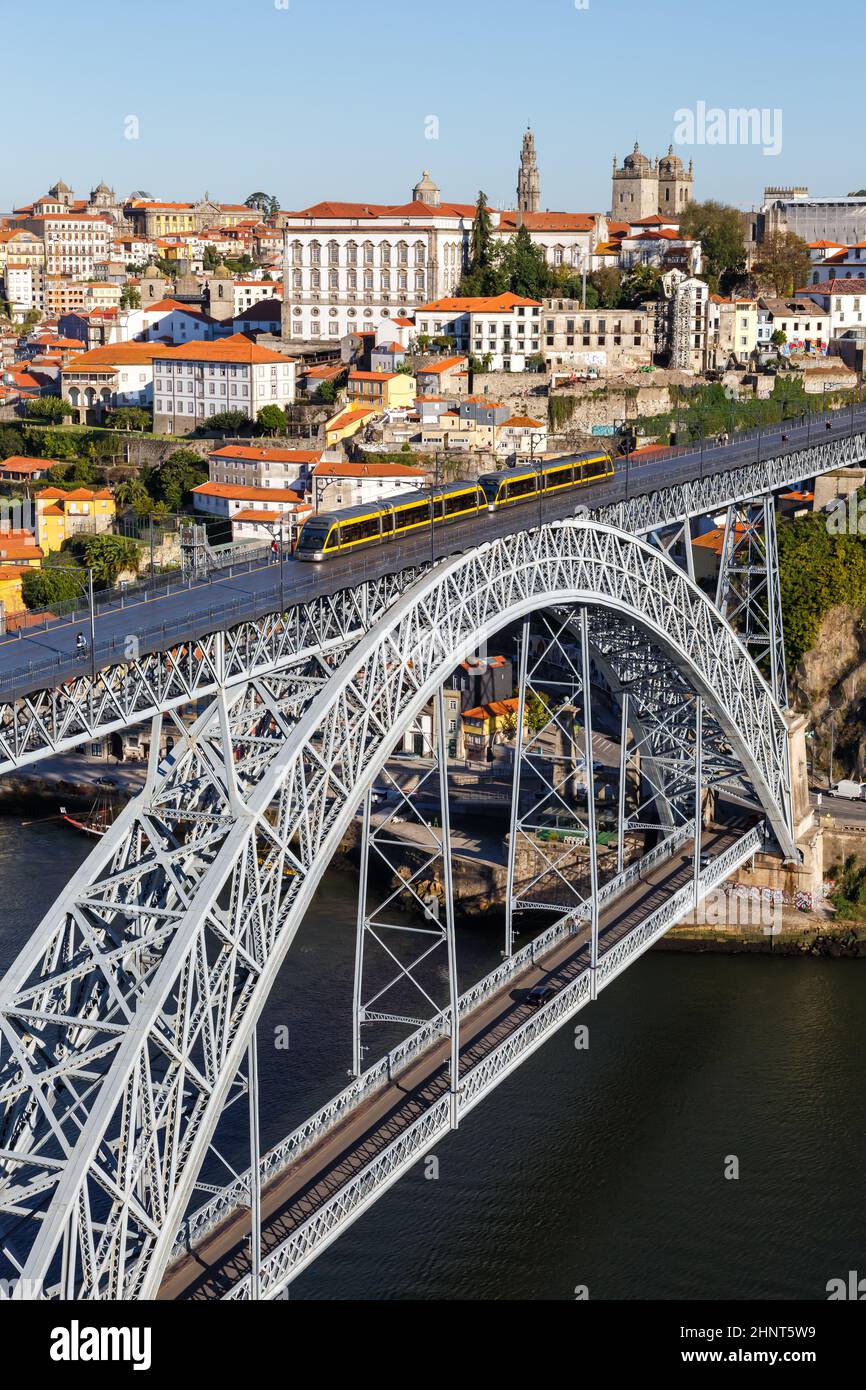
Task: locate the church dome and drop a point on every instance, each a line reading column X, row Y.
column 221, row 272
column 426, row 190
column 101, row 188
column 60, row 187
column 636, row 162
column 670, row 163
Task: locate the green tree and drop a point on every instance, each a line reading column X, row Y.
column 130, row 297
column 107, row 555
column 607, row 284
column 641, row 283
column 52, row 444
column 778, row 338
column 49, row 408
column 523, row 266
column 326, row 391
column 535, row 713
column 133, row 494
column 49, row 585
column 483, row 275
column 229, row 421
column 271, row 419
column 11, row 441
column 265, row 203
column 721, row 230
column 173, row 481
column 783, row 263
column 129, row 417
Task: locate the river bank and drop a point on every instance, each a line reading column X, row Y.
column 72, row 779
column 835, row 940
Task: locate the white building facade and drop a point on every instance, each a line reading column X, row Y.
column 504, row 328
column 73, row 242
column 261, row 467
column 195, row 381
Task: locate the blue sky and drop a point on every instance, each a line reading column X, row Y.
column 315, row 99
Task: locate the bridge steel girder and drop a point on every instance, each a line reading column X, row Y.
column 130, row 688
column 129, row 1012
column 653, row 511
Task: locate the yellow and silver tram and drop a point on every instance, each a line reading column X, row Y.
column 329, row 534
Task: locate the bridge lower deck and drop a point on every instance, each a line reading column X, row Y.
column 223, row 1256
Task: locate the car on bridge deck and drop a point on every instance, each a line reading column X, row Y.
column 538, row 995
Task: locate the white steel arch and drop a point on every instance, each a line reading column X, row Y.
column 127, row 1016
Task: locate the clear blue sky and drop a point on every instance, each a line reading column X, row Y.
column 328, row 98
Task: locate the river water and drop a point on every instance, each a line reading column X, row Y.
column 602, row 1167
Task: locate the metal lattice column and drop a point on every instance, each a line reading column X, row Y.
column 403, row 925
column 747, row 592
column 552, row 774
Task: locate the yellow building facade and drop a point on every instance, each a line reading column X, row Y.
column 60, row 514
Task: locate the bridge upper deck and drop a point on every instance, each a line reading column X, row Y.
column 46, row 657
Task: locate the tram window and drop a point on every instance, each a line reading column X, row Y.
column 387, row 523
column 521, row 487
column 361, row 530
column 458, row 502
column 313, row 537
column 411, row 516
column 557, row 476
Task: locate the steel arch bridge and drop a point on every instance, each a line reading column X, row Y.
column 126, row 1018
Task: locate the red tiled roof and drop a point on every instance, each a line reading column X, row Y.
column 482, row 304
column 17, row 463
column 241, row 493
column 549, row 221
column 255, row 514
column 443, row 364
column 236, row 348
column 243, row 451
column 367, row 470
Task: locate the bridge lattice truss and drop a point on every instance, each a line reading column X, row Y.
column 139, row 687
column 126, row 1017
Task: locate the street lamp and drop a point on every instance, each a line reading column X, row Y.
column 433, row 506
column 533, row 438
column 282, row 557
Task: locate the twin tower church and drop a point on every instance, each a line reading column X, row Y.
column 641, row 187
